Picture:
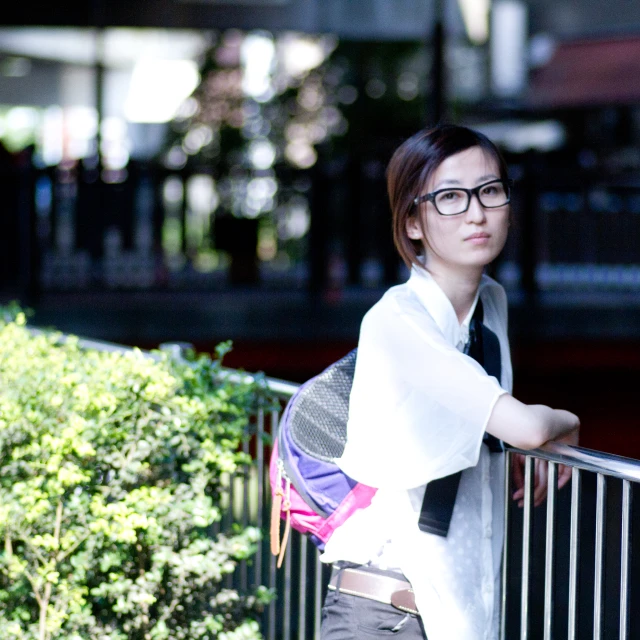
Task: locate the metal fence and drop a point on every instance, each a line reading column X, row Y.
column 568, row 569
column 300, row 584
column 568, row 566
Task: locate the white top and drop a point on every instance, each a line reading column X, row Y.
column 418, row 411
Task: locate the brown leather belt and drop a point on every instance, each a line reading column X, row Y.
column 367, row 583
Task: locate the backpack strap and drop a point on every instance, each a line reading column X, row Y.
column 437, row 504
column 276, row 507
column 440, row 494
column 281, row 503
column 286, row 507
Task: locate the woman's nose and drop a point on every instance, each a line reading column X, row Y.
column 475, row 212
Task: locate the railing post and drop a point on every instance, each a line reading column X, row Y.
column 261, row 495
column 601, row 505
column 527, row 527
column 508, row 458
column 552, row 490
column 272, row 559
column 302, row 590
column 574, row 549
column 286, row 631
column 317, row 604
column 625, row 556
column 244, row 518
column 271, row 611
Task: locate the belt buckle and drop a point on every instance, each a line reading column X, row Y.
column 404, row 600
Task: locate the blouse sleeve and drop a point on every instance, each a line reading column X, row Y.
column 418, row 407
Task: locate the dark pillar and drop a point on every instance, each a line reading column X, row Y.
column 353, row 210
column 528, row 254
column 438, row 72
column 319, row 230
column 29, row 258
column 239, row 238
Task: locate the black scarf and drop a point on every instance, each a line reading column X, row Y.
column 440, row 494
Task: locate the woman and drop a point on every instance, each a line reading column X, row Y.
column 422, row 404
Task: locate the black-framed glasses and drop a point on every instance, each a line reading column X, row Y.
column 454, row 201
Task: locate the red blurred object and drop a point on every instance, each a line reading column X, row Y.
column 588, row 72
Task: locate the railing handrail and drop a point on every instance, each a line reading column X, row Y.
column 587, row 459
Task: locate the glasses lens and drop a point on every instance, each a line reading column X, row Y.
column 451, row 202
column 493, row 194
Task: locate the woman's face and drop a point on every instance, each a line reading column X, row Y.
column 470, row 239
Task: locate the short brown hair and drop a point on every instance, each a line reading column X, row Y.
column 411, row 166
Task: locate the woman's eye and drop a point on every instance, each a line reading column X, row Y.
column 491, row 190
column 449, row 195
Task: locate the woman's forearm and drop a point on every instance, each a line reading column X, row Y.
column 529, row 426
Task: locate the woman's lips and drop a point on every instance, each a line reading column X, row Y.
column 478, row 238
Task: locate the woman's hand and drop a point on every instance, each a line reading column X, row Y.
column 541, row 473
column 540, row 479
column 564, row 472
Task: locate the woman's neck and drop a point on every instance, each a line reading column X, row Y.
column 459, row 286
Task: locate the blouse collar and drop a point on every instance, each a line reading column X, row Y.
column 439, row 307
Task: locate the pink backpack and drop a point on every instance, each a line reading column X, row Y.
column 310, row 492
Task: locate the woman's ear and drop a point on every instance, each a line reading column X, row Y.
column 414, row 228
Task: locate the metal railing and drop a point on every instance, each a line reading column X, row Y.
column 581, row 537
column 568, row 567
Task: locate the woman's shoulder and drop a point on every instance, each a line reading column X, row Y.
column 491, row 285
column 399, row 311
column 398, row 300
column 494, row 300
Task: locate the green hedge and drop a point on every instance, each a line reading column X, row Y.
column 111, row 471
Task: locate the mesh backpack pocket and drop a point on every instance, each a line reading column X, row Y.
column 310, row 492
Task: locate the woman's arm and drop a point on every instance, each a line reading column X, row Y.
column 530, row 426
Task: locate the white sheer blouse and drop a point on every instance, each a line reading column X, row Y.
column 418, row 411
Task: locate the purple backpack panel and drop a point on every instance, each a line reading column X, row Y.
column 310, row 492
